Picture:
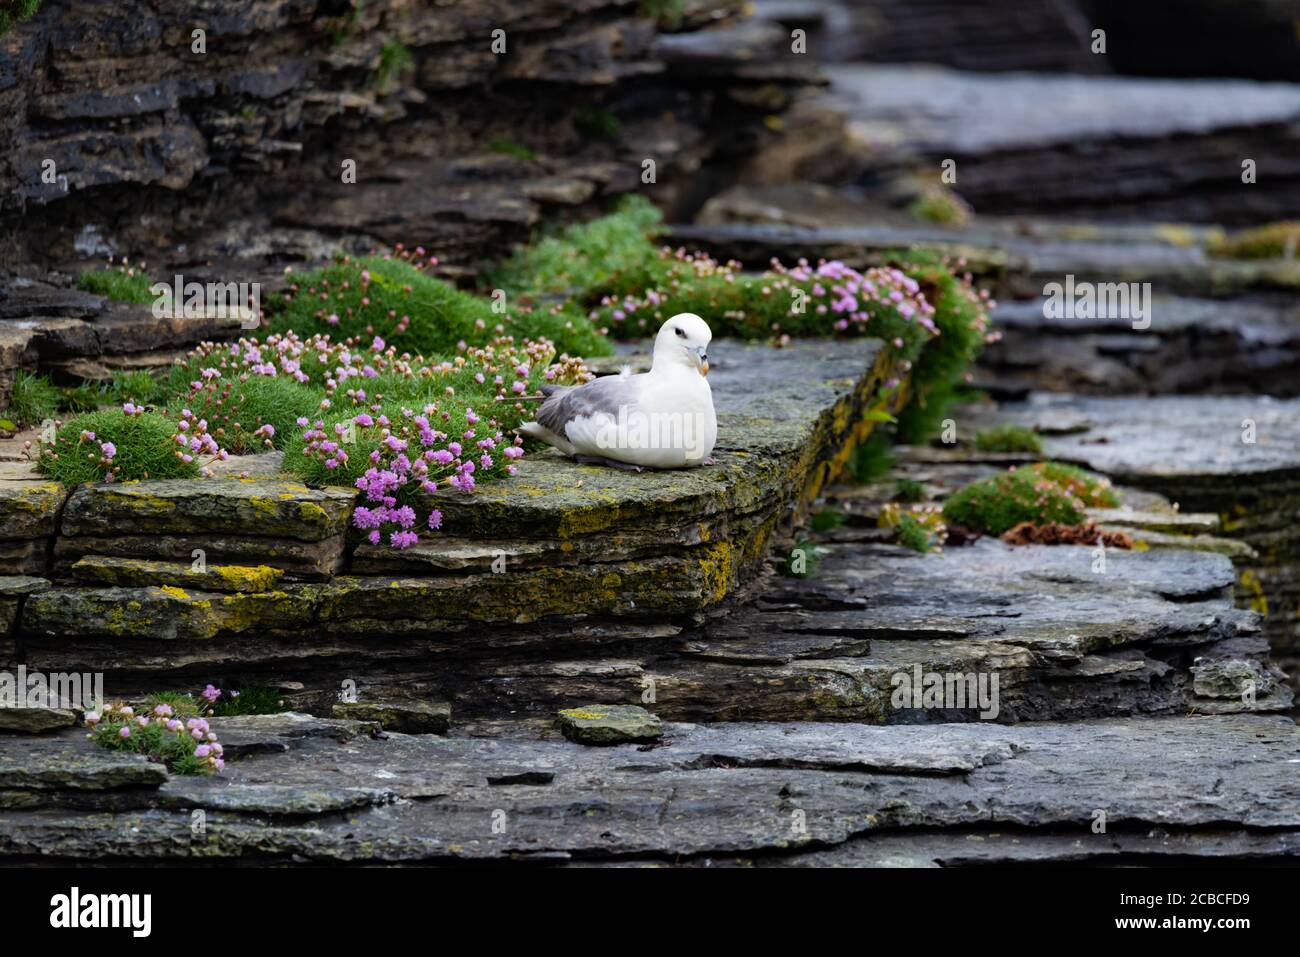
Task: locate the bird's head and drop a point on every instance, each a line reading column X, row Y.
column 684, row 339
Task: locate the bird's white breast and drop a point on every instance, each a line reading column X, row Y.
column 671, row 425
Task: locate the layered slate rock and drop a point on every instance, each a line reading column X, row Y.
column 468, row 150
column 556, row 542
column 407, row 715
column 1016, row 258
column 1155, row 148
column 981, row 35
column 220, row 534
column 800, row 793
column 1191, row 346
column 73, row 335
column 1235, row 457
column 609, row 724
column 29, row 510
column 1060, row 641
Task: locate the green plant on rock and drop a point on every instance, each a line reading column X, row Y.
column 667, row 13
column 940, row 206
column 614, row 255
column 940, row 373
column 183, row 745
column 1272, row 241
column 395, row 299
column 342, row 28
column 596, row 123
column 250, row 699
column 511, row 148
column 827, row 520
column 395, row 61
column 121, row 283
column 803, row 561
column 35, row 399
column 919, row 527
column 909, row 490
column 871, row 460
column 16, row 11
column 245, row 412
column 116, row 445
column 1039, row 493
column 138, row 386
column 183, row 705
column 1008, row 437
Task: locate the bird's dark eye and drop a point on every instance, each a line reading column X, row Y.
column 679, row 332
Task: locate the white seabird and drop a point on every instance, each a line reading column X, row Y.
column 661, row 419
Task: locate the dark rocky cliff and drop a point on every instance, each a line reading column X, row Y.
column 190, row 157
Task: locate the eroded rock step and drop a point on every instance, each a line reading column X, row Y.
column 1237, row 457
column 1014, row 258
column 1154, row 148
column 1158, row 634
column 577, row 540
column 1197, row 346
column 74, row 335
column 308, row 791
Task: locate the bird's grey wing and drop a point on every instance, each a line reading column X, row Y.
column 550, row 390
column 607, row 394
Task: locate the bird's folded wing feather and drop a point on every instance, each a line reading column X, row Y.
column 605, row 395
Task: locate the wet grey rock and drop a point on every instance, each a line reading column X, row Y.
column 1193, row 346
column 72, row 762
column 268, row 799
column 407, row 715
column 1017, row 136
column 199, row 127
column 982, row 35
column 608, row 724
column 1208, row 787
column 1230, row 679
column 1195, row 451
column 36, row 720
column 263, row 733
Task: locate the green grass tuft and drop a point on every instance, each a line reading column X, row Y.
column 252, row 699
column 910, row 533
column 139, row 387
column 35, row 399
column 511, row 148
column 146, row 448
column 940, row 206
column 595, row 123
column 16, row 11
column 1008, row 437
column 1044, row 492
column 614, row 255
column 909, row 490
column 416, row 312
column 185, row 705
column 122, row 283
column 1273, row 241
column 238, row 406
column 395, row 61
column 871, row 460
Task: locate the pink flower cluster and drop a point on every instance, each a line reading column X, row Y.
column 160, row 727
column 193, row 441
column 853, row 297
column 418, row 453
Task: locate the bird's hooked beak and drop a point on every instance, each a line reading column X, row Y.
column 702, row 354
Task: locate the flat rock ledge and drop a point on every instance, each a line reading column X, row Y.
column 1119, row 791
column 1233, row 458
column 136, row 571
